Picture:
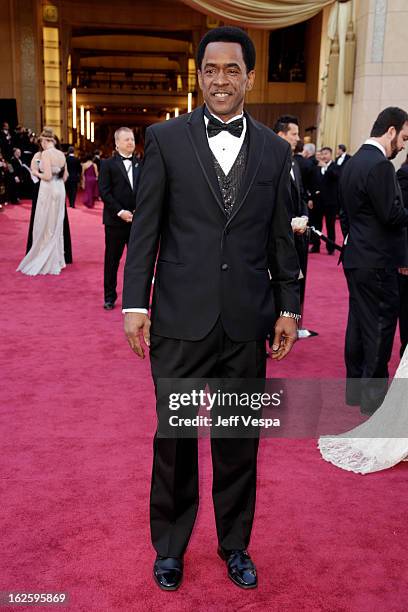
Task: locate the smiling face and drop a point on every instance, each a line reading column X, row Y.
column 325, row 155
column 224, row 80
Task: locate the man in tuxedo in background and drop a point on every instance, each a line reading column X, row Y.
column 212, row 201
column 374, row 221
column 74, row 176
column 6, row 141
column 21, row 175
column 287, row 127
column 342, row 156
column 306, row 159
column 329, row 198
column 402, row 176
column 325, row 197
column 118, row 179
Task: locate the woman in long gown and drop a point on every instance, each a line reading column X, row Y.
column 46, row 255
column 365, row 448
column 89, row 182
column 67, row 233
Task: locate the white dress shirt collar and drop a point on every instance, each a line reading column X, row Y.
column 224, row 146
column 375, row 143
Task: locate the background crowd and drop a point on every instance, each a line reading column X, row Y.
column 18, row 146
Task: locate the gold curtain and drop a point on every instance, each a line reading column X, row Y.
column 264, row 14
column 335, row 118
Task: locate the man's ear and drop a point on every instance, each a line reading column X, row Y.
column 250, row 80
column 392, row 132
column 200, row 79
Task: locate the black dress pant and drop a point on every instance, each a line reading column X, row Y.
column 302, row 246
column 71, row 187
column 174, row 488
column 316, row 221
column 371, row 325
column 330, row 219
column 403, row 311
column 116, row 238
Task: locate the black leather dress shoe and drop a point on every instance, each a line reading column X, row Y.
column 241, row 570
column 168, row 572
column 109, row 305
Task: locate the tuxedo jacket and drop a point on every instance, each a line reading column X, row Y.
column 346, row 158
column 115, row 189
column 402, row 176
column 372, row 212
column 325, row 187
column 210, row 267
column 6, row 145
column 307, row 168
column 19, row 170
column 74, row 169
column 298, row 199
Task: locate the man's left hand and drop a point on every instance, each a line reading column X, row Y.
column 285, row 337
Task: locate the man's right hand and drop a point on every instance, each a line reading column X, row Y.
column 127, row 216
column 136, row 322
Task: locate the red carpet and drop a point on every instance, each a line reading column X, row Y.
column 77, row 418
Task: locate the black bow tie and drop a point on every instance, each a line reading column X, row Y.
column 126, row 158
column 214, row 127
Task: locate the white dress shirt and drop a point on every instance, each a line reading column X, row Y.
column 341, row 159
column 128, row 167
column 225, row 148
column 324, row 168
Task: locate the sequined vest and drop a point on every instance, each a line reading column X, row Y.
column 230, row 184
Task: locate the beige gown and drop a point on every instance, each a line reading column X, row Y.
column 46, row 255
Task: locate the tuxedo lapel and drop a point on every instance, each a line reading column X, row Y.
column 122, row 168
column 134, row 175
column 198, row 137
column 254, row 158
column 296, row 181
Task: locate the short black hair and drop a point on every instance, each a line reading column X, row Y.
column 228, row 34
column 327, row 149
column 282, row 123
column 342, row 147
column 70, row 150
column 392, row 116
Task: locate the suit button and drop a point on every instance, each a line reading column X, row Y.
column 224, row 267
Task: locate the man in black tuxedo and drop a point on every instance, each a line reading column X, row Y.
column 74, row 176
column 342, row 156
column 118, row 179
column 402, row 176
column 212, row 205
column 287, row 127
column 325, row 197
column 21, row 176
column 374, row 221
column 6, row 141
